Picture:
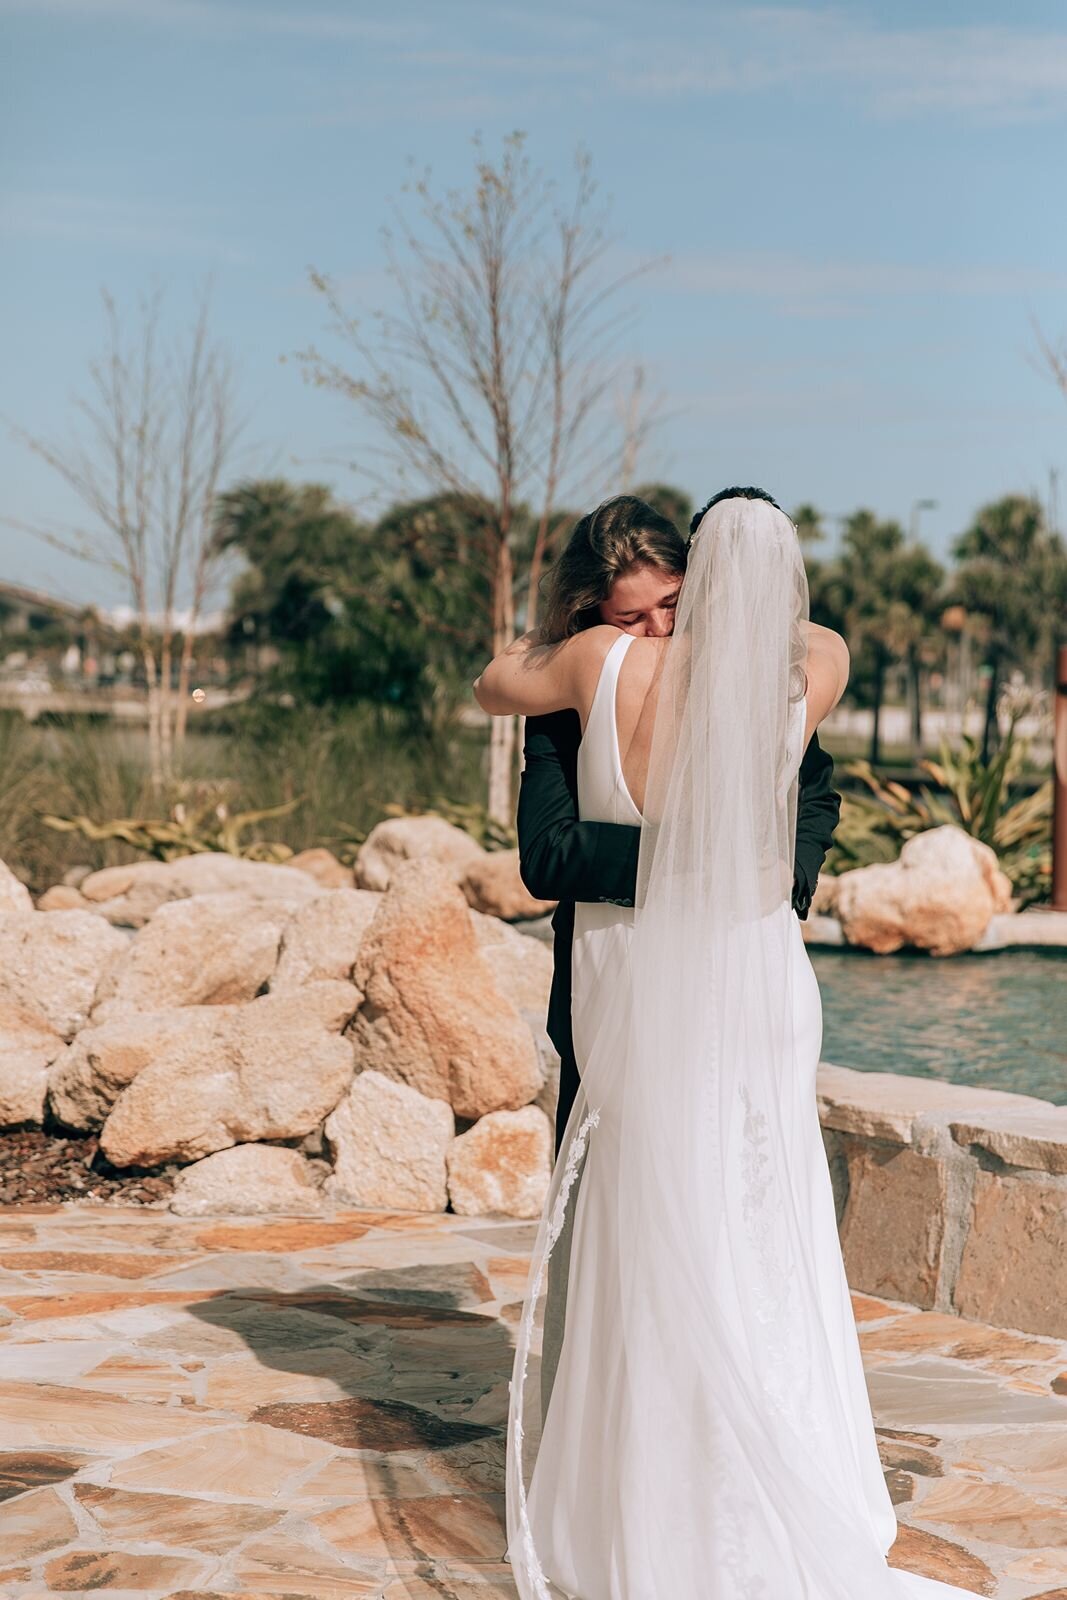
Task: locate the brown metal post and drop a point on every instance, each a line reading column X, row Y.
column 1059, row 785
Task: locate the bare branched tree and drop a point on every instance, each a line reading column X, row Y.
column 158, row 432
column 1051, row 357
column 486, row 384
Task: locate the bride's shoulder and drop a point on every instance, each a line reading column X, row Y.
column 824, row 641
column 827, row 666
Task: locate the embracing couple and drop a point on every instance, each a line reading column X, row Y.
column 688, row 1415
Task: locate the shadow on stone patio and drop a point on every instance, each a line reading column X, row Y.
column 421, row 1413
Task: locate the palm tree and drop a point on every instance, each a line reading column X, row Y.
column 1012, row 573
column 881, row 592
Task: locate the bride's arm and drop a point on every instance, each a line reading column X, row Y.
column 529, row 679
column 827, row 670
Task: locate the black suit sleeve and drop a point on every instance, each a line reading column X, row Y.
column 560, row 857
column 818, row 808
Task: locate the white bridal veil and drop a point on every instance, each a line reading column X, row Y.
column 733, row 1465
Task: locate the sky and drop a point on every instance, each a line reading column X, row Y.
column 861, row 206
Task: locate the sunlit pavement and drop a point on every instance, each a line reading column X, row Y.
column 316, row 1408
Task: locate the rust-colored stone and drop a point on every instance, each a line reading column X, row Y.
column 173, row 1519
column 898, row 1456
column 282, row 1566
column 283, row 1237
column 866, row 1309
column 370, row 1312
column 30, row 1469
column 359, row 1424
column 91, row 1569
column 901, row 1485
column 1011, row 1273
column 931, row 1557
column 454, row 1526
column 37, row 1307
column 950, row 1335
column 995, row 1513
column 35, row 1523
column 433, row 1016
column 892, row 1234
column 502, row 1164
column 97, row 1263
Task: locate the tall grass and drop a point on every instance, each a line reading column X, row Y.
column 346, row 768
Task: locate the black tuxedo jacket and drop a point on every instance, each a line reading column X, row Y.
column 562, row 858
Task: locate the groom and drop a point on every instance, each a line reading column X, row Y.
column 562, row 858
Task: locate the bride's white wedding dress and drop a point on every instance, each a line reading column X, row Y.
column 701, row 1429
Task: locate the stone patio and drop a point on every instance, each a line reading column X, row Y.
column 314, row 1408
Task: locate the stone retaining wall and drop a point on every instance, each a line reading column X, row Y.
column 950, row 1198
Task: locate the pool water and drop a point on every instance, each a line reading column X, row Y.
column 997, row 1020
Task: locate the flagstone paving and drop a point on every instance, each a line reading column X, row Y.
column 316, row 1408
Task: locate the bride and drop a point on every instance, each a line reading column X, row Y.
column 688, row 1418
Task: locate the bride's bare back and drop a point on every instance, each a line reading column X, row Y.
column 636, row 699
column 530, row 679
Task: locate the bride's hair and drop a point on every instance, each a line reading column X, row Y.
column 620, row 534
column 748, row 493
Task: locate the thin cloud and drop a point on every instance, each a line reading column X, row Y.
column 985, row 73
column 85, row 217
column 802, row 283
column 205, row 17
column 988, row 72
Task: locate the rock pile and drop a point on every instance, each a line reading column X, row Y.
column 291, row 1040
column 299, row 1035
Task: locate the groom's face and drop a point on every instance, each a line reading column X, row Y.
column 642, row 601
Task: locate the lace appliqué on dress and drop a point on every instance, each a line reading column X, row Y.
column 531, row 1564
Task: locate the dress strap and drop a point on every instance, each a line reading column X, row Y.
column 603, row 706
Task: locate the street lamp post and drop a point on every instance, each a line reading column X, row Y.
column 1059, row 785
column 919, row 506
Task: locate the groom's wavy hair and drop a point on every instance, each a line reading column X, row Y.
column 747, row 493
column 620, row 534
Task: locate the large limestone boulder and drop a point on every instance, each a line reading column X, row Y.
column 401, row 839
column 86, row 1079
column 27, row 1048
column 247, row 1180
column 269, row 1070
column 939, row 895
column 212, row 949
column 322, row 939
column 521, row 965
column 389, row 1144
column 131, row 895
column 492, row 884
column 14, row 895
column 433, row 1017
column 502, row 1164
column 51, row 964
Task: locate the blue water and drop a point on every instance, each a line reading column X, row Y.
column 998, row 1020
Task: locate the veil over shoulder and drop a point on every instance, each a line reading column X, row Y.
column 735, row 1458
